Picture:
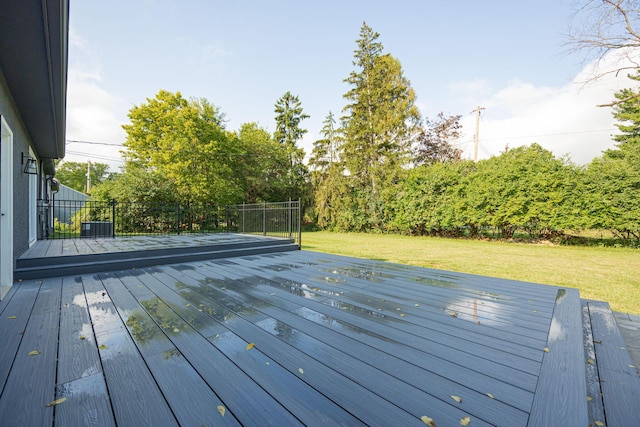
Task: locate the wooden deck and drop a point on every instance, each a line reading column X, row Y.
column 293, row 338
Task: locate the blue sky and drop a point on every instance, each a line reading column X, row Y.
column 242, row 56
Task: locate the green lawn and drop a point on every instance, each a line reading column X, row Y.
column 605, row 274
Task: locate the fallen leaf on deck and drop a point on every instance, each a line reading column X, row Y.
column 33, row 353
column 465, row 421
column 103, row 347
column 187, row 305
column 428, row 421
column 453, row 314
column 417, row 305
column 589, row 398
column 534, row 311
column 217, row 336
column 12, row 317
column 456, row 398
column 250, row 346
column 546, row 350
column 490, row 395
column 398, row 309
column 301, row 370
column 597, row 341
column 599, row 423
column 401, row 314
column 631, row 366
column 222, row 410
column 267, row 363
column 82, row 337
column 57, row 401
column 590, row 361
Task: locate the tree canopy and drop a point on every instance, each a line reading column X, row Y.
column 74, row 174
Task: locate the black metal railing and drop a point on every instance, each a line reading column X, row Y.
column 68, row 219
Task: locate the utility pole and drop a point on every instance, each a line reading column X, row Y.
column 88, row 176
column 475, row 138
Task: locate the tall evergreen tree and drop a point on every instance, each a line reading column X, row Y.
column 289, row 116
column 379, row 124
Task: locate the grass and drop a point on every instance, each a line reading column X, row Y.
column 600, row 273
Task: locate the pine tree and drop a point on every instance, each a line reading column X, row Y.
column 379, row 124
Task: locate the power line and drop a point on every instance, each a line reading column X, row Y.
column 71, row 141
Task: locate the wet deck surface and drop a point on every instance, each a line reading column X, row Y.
column 283, row 339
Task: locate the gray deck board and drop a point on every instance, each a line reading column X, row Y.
column 231, row 383
column 320, row 363
column 31, row 382
column 19, row 303
column 403, row 333
column 595, row 404
column 337, row 349
column 80, row 379
column 336, row 341
column 436, row 319
column 561, row 397
column 134, row 393
column 620, row 382
column 192, row 401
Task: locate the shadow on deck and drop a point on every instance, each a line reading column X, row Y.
column 304, row 338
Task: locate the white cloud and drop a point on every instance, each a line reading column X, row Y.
column 565, row 120
column 91, row 110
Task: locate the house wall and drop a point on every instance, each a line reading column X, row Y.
column 21, row 144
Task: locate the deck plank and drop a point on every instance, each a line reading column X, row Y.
column 31, row 382
column 619, row 380
column 387, row 327
column 192, row 401
column 595, row 404
column 350, row 364
column 19, row 304
column 135, row 396
column 344, row 323
column 284, row 386
column 230, row 383
column 358, row 399
column 427, row 319
column 561, row 397
column 80, row 378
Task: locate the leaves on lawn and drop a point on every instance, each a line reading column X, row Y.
column 222, row 410
column 465, row 421
column 428, row 421
column 57, row 401
column 456, row 398
column 250, row 346
column 33, row 353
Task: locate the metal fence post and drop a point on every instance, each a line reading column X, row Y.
column 289, row 216
column 299, row 223
column 264, row 219
column 113, row 217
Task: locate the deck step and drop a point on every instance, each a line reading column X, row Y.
column 40, row 268
column 613, row 382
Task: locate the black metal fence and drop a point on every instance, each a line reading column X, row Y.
column 68, row 219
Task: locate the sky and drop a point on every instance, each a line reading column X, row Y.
column 508, row 57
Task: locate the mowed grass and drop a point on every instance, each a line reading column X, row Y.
column 604, row 274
